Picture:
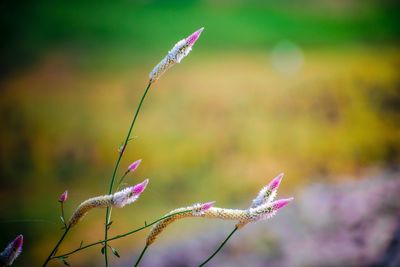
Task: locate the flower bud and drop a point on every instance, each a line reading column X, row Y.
column 63, row 197
column 134, row 165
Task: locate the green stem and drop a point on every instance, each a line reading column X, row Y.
column 121, row 235
column 141, row 255
column 219, row 248
column 108, row 210
column 56, row 246
column 119, row 183
column 62, row 214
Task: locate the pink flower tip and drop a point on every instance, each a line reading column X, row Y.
column 281, row 203
column 274, row 184
column 134, row 165
column 139, row 188
column 194, row 36
column 18, row 242
column 12, row 251
column 207, row 205
column 63, row 197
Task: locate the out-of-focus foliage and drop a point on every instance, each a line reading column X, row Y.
column 111, row 33
column 310, row 88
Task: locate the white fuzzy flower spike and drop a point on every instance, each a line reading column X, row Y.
column 268, row 193
column 129, row 194
column 177, row 53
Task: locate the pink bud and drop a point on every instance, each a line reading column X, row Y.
column 134, row 165
column 193, row 38
column 281, row 203
column 63, row 197
column 18, row 242
column 139, row 188
column 274, row 184
column 207, row 205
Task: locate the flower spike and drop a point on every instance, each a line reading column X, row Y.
column 259, row 213
column 12, row 251
column 177, row 53
column 118, row 199
column 268, row 193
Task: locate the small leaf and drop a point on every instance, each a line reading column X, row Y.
column 145, row 223
column 115, row 252
column 62, row 219
column 65, row 262
column 81, row 244
column 109, row 225
column 103, row 249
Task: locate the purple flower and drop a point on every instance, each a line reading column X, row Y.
column 175, row 55
column 206, row 206
column 134, row 165
column 193, row 38
column 199, row 209
column 274, row 184
column 63, row 197
column 268, row 193
column 129, row 194
column 139, row 188
column 12, row 251
column 278, row 204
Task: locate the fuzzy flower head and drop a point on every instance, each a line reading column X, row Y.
column 134, row 166
column 199, row 209
column 268, row 193
column 63, row 197
column 267, row 211
column 12, row 251
column 177, row 53
column 129, row 194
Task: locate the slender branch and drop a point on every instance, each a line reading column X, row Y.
column 108, row 210
column 141, row 256
column 220, row 247
column 118, row 185
column 56, row 246
column 120, row 236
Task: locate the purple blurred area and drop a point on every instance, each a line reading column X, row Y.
column 354, row 223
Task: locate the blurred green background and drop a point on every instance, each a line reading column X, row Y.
column 311, row 88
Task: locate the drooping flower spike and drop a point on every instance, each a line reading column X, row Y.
column 12, row 251
column 196, row 210
column 177, row 53
column 118, row 199
column 259, row 213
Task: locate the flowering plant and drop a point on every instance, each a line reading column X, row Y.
column 263, row 206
